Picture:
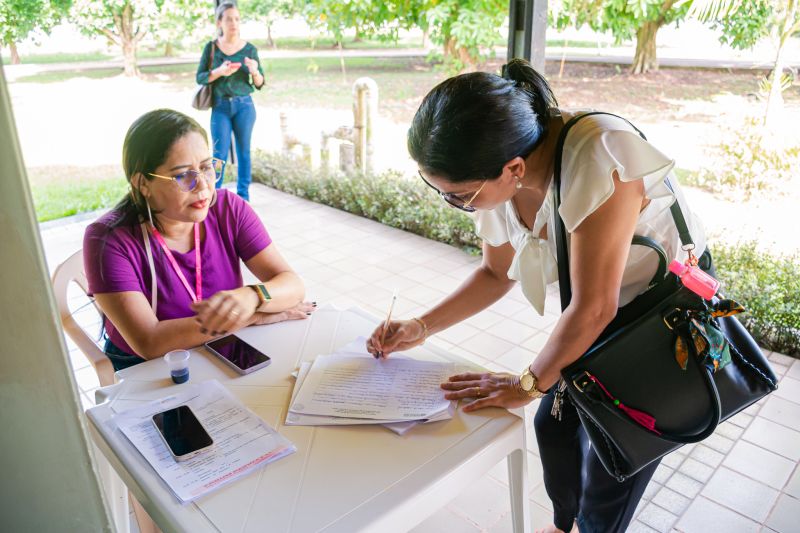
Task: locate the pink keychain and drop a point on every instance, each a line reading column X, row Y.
column 695, row 279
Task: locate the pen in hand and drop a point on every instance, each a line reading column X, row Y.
column 386, row 324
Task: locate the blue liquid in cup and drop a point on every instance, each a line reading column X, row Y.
column 180, row 376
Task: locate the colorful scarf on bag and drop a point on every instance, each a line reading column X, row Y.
column 710, row 344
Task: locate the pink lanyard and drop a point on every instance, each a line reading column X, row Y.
column 197, row 294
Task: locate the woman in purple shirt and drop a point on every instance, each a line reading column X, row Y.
column 164, row 264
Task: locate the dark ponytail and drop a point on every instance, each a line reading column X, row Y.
column 535, row 85
column 469, row 126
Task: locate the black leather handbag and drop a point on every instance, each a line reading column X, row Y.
column 635, row 402
column 203, row 97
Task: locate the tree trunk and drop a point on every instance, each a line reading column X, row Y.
column 128, row 39
column 645, row 58
column 129, row 57
column 341, row 61
column 14, row 53
column 775, row 98
column 169, row 50
column 449, row 48
column 457, row 53
column 270, row 40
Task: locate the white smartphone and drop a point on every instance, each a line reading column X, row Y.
column 182, row 432
column 237, row 354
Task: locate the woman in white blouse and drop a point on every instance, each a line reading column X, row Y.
column 487, row 144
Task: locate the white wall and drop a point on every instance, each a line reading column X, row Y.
column 47, row 481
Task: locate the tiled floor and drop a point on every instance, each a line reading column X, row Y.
column 743, row 478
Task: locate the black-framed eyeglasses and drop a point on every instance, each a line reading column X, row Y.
column 189, row 180
column 456, row 200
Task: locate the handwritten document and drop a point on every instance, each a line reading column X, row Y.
column 394, row 389
column 242, row 441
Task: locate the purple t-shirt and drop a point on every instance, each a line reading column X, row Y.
column 116, row 260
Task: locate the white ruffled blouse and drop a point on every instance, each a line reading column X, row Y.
column 594, row 148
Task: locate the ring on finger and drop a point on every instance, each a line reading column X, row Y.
column 235, row 312
column 478, row 392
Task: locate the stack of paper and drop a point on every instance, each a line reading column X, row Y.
column 352, row 387
column 242, row 441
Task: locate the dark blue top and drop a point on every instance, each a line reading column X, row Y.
column 240, row 83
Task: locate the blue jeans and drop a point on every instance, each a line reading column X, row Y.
column 237, row 115
column 119, row 358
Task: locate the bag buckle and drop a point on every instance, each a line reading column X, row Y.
column 671, row 319
column 581, row 381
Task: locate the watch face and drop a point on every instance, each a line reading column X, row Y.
column 526, row 381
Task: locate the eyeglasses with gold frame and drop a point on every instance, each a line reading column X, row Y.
column 456, row 200
column 189, row 180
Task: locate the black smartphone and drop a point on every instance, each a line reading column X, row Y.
column 237, row 354
column 182, row 432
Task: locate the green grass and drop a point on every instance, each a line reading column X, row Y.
column 572, row 44
column 58, row 200
column 328, row 43
column 64, row 75
column 503, row 41
column 58, row 58
column 284, row 43
column 302, row 81
column 66, row 57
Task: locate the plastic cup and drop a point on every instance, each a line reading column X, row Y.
column 178, row 363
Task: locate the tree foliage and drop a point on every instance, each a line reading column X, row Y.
column 367, row 17
column 625, row 19
column 745, row 22
column 183, row 19
column 123, row 22
column 464, row 29
column 267, row 12
column 19, row 19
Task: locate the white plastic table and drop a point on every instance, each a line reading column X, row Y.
column 341, row 479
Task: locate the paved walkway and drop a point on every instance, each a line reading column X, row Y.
column 743, row 478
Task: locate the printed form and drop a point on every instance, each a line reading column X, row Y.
column 242, row 441
column 393, row 389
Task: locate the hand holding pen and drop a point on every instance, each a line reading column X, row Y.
column 396, row 335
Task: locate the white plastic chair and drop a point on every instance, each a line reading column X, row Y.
column 68, row 272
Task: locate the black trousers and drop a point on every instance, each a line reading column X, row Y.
column 576, row 482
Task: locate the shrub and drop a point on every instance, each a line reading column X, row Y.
column 748, row 161
column 769, row 287
column 388, row 198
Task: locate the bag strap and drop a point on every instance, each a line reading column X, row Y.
column 562, row 250
column 153, row 283
column 661, row 271
column 565, row 285
column 211, row 59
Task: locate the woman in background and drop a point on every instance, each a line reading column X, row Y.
column 234, row 73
